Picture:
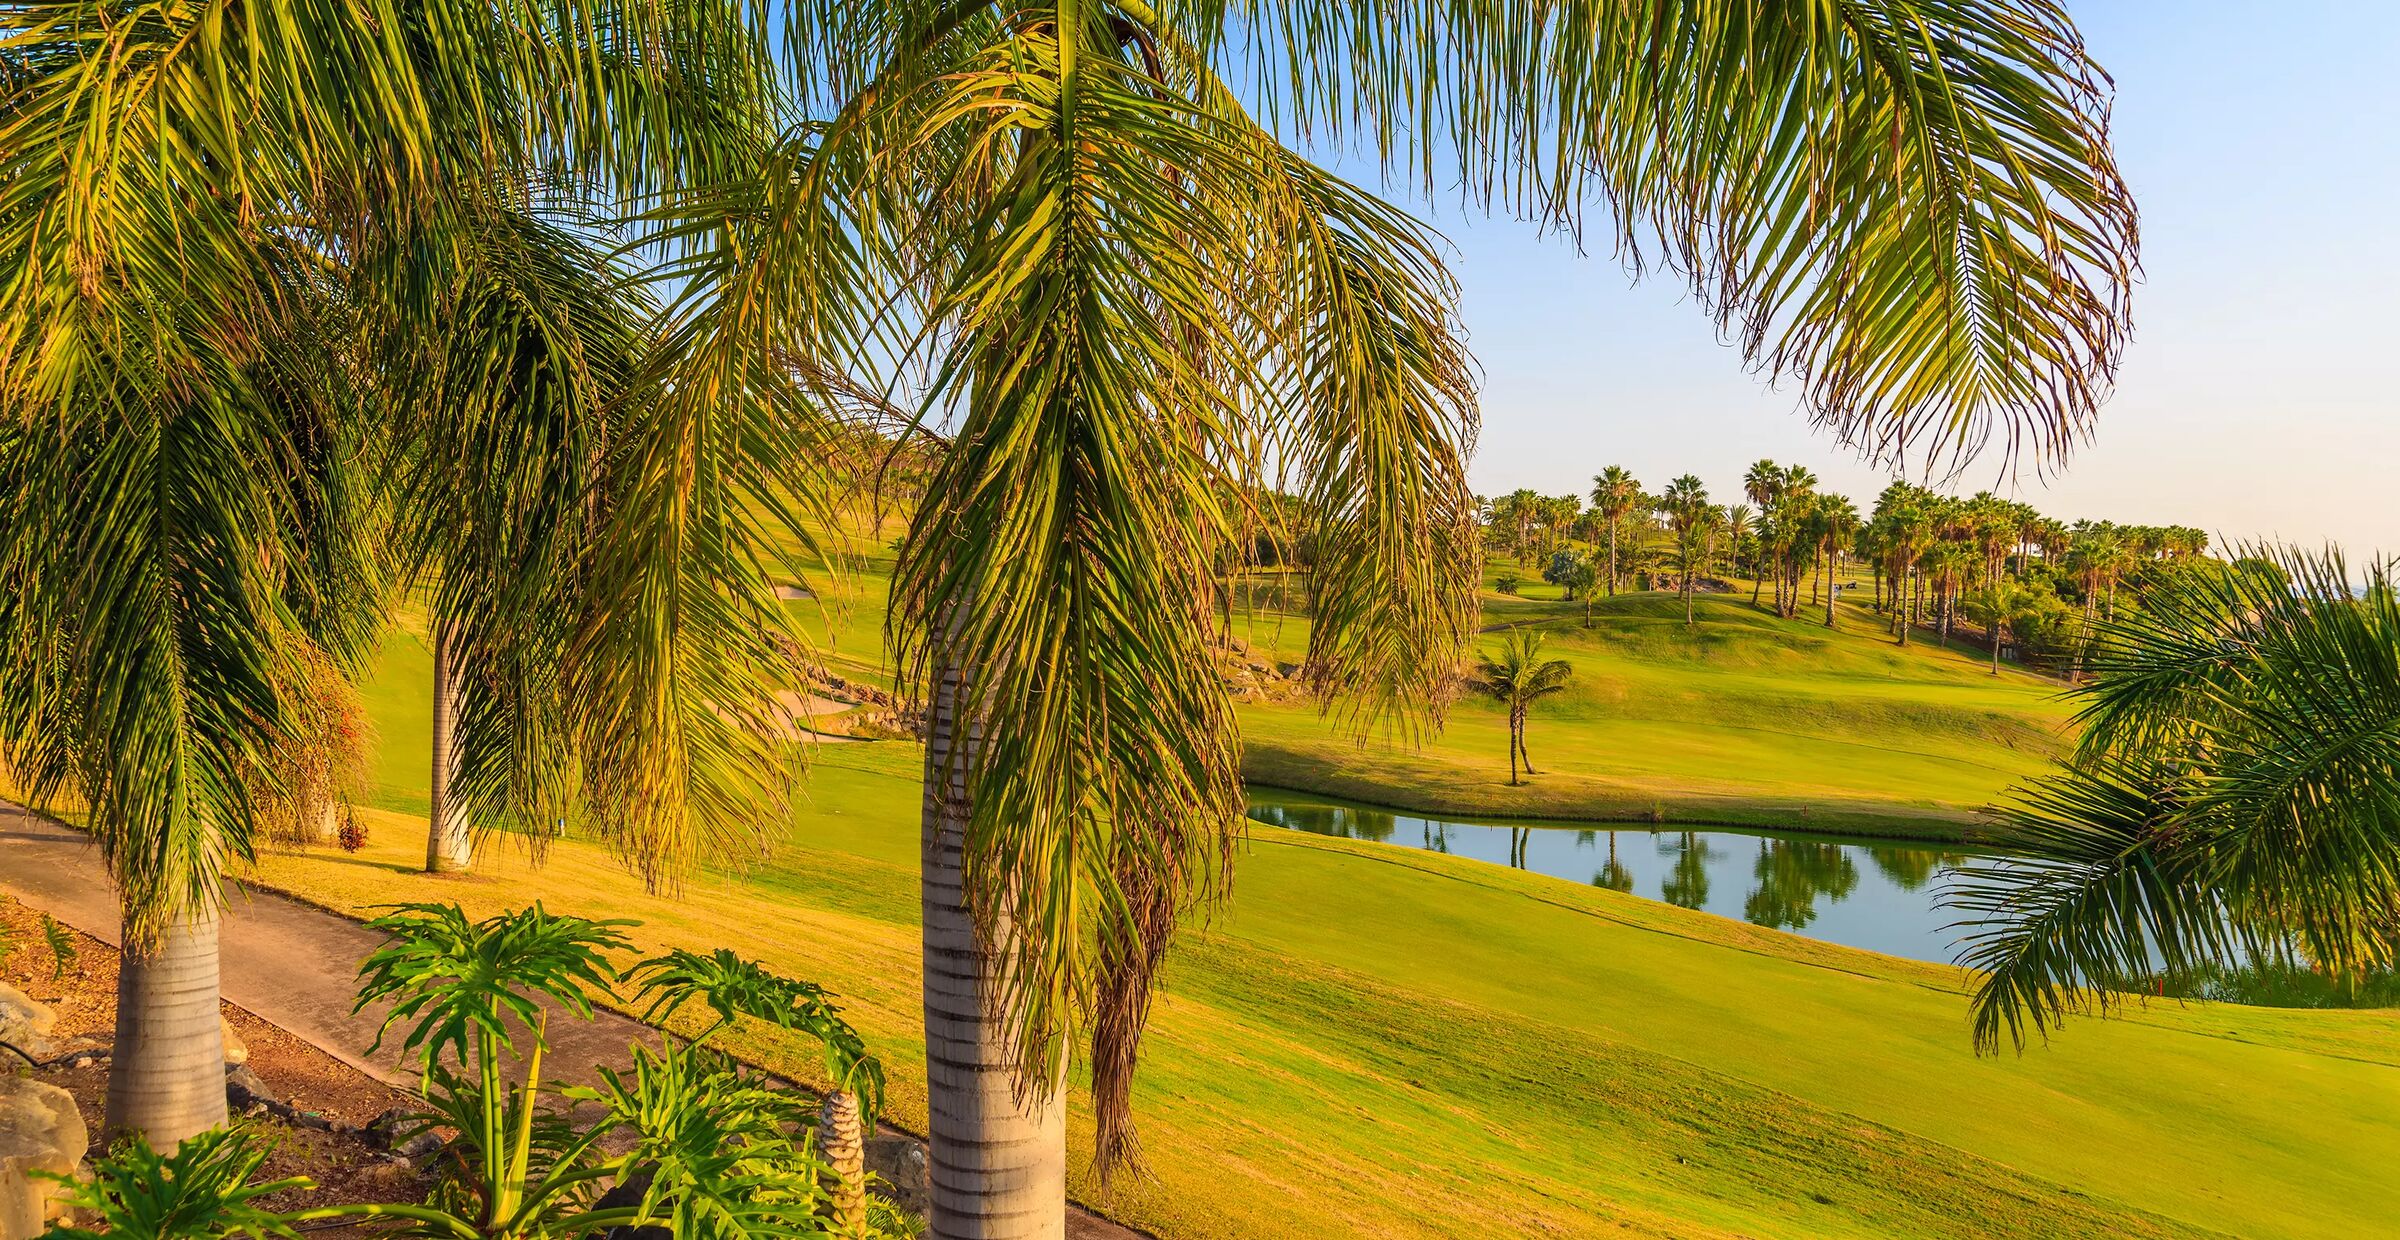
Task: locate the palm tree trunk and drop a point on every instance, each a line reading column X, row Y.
column 844, row 1148
column 449, row 847
column 166, row 1077
column 1995, row 636
column 1829, row 589
column 1522, row 751
column 1612, row 559
column 998, row 1164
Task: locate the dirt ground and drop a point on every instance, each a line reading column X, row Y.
column 84, row 992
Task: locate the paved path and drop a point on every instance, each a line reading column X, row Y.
column 296, row 967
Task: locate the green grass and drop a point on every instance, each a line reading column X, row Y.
column 1743, row 718
column 1376, row 1042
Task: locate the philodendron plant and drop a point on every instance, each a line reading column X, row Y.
column 686, row 1139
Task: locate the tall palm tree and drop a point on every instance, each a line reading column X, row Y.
column 1615, row 493
column 1837, row 523
column 1737, row 525
column 1119, row 280
column 1762, row 484
column 254, row 205
column 2235, row 798
column 1684, row 505
column 1518, row 678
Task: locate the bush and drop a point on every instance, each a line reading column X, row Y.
column 694, row 1142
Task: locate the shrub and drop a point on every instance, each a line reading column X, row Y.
column 693, row 1142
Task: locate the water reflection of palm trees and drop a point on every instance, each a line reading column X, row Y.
column 1613, row 874
column 1911, row 868
column 1685, row 885
column 1792, row 875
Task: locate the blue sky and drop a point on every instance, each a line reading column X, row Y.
column 2257, row 399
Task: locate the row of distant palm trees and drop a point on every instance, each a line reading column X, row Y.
column 1930, row 557
column 547, row 314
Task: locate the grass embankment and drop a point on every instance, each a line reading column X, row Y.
column 1377, row 1042
column 1743, row 719
column 1373, row 1042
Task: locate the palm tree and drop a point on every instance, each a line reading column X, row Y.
column 1737, row 534
column 1998, row 604
column 199, row 420
column 1012, row 153
column 1762, row 484
column 2235, row 798
column 1836, row 524
column 1615, row 492
column 1688, row 515
column 1121, row 282
column 1517, row 679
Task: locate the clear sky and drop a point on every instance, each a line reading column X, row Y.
column 2262, row 142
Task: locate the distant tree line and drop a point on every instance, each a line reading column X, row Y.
column 2020, row 577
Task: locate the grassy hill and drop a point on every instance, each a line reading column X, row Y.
column 1743, row 718
column 1376, row 1042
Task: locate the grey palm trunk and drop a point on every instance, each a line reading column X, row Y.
column 166, row 1077
column 997, row 1165
column 449, row 847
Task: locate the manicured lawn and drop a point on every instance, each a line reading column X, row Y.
column 1377, row 1042
column 1372, row 1042
column 1743, row 718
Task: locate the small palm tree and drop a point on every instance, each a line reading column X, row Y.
column 2235, row 798
column 1996, row 606
column 1517, row 679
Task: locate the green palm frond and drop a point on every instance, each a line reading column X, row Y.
column 1519, row 675
column 1909, row 205
column 2237, row 795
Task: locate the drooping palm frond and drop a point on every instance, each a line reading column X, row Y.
column 2237, row 794
column 1909, row 205
column 185, row 191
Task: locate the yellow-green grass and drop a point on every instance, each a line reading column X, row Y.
column 1741, row 718
column 1377, row 1042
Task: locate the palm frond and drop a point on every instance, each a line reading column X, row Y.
column 1909, row 205
column 2239, row 797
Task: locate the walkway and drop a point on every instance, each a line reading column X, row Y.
column 296, row 967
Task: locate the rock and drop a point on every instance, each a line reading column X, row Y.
column 25, row 1024
column 237, row 1052
column 243, row 1090
column 40, row 1130
column 900, row 1161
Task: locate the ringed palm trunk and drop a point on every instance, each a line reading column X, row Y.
column 449, row 848
column 166, row 1076
column 842, row 1142
column 998, row 1162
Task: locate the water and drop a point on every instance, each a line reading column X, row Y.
column 1873, row 894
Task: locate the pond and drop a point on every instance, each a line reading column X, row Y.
column 1874, row 894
